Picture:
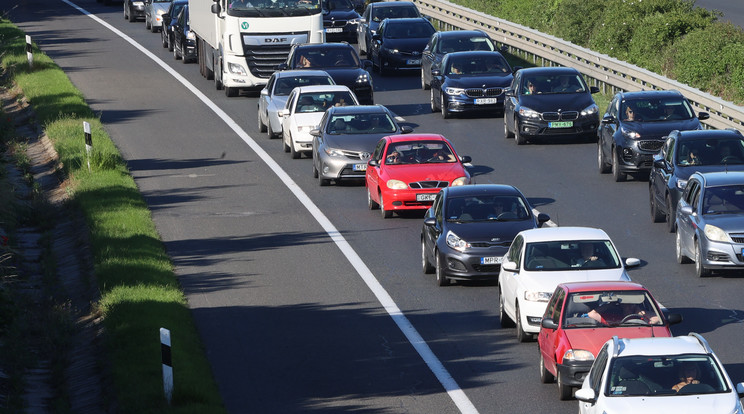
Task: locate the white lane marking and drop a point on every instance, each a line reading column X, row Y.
column 437, row 368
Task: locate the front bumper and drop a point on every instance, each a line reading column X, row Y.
column 638, row 156
column 347, row 32
column 189, row 50
column 400, row 61
column 464, row 103
column 531, row 313
column 468, row 265
column 722, row 255
column 573, row 372
column 536, row 128
column 303, row 141
column 407, row 199
column 350, row 167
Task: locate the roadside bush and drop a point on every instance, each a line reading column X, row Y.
column 572, row 20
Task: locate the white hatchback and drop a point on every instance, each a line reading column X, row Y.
column 539, row 259
column 659, row 375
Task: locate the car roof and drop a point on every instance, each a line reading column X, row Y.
column 415, row 137
column 323, row 88
column 553, row 70
column 563, row 233
column 602, row 285
column 305, row 73
column 658, row 346
column 479, row 189
column 406, row 20
column 721, row 178
column 651, row 94
column 461, row 33
column 452, row 55
column 392, row 4
column 358, row 109
column 708, row 133
column 336, row 45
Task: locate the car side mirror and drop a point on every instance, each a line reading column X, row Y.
column 436, row 72
column 542, row 218
column 430, row 221
column 509, row 92
column 264, row 92
column 660, row 163
column 366, row 64
column 586, row 395
column 674, row 318
column 509, row 266
column 549, row 323
column 516, row 69
column 405, row 129
column 703, row 115
column 740, row 389
column 376, row 36
column 687, row 210
column 315, row 132
column 373, row 163
column 283, row 112
column 466, row 159
column 593, row 89
column 608, row 119
column 282, row 66
column 632, row 262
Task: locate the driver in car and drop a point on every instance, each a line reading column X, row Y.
column 618, row 312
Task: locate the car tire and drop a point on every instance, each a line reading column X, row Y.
column 371, row 204
column 315, row 170
column 518, row 137
column 442, row 280
column 522, row 336
column 545, row 376
column 184, row 60
column 175, row 53
column 670, row 224
column 148, row 25
column 285, row 147
column 426, row 266
column 386, row 214
column 170, row 43
column 153, row 28
column 432, row 102
column 504, row 319
column 616, row 173
column 126, row 16
column 163, row 38
column 446, row 114
column 507, row 134
column 292, row 151
column 424, row 85
column 565, row 392
column 602, row 164
column 270, row 132
column 656, row 215
column 700, row 269
column 681, row 257
column 261, row 125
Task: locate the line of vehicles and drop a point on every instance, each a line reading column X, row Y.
column 568, row 287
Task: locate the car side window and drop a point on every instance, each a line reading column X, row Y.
column 668, row 150
column 515, row 251
column 438, row 208
column 687, row 195
column 515, row 82
column 597, row 370
column 431, row 46
column 553, row 310
column 377, row 155
column 695, row 198
column 612, row 110
column 291, row 100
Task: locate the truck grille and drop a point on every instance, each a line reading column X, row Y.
column 262, row 61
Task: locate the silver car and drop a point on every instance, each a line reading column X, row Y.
column 345, row 138
column 154, row 11
column 710, row 222
column 274, row 96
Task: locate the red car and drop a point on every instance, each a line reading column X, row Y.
column 407, row 171
column 582, row 316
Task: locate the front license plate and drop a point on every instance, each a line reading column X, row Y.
column 413, row 61
column 426, row 197
column 359, row 167
column 491, row 260
column 566, row 124
column 334, row 30
column 486, row 101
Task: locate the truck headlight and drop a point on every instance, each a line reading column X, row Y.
column 236, row 69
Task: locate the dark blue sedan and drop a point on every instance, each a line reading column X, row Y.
column 399, row 43
column 470, row 81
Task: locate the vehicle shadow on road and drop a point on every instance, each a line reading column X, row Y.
column 540, row 201
column 477, row 170
column 702, row 320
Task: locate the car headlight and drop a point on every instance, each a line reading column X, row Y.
column 681, row 184
column 192, row 36
column 714, row 233
column 236, row 69
column 454, row 91
column 396, row 185
column 460, row 181
column 454, row 241
column 305, row 128
column 537, row 296
column 590, row 110
column 526, row 112
column 363, row 78
column 578, row 355
column 353, row 21
column 629, row 133
column 138, row 3
column 161, row 12
column 333, row 152
column 391, row 51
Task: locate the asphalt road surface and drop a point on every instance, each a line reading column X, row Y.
column 293, row 322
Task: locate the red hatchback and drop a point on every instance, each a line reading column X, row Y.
column 582, row 316
column 407, row 171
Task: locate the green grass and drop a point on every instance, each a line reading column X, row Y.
column 139, row 290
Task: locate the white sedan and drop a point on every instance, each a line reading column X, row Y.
column 274, row 96
column 304, row 110
column 539, row 259
column 677, row 375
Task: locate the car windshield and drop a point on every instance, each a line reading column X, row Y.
column 285, row 85
column 491, row 65
column 570, row 255
column 361, row 124
column 724, row 200
column 656, row 110
column 466, row 44
column 409, row 31
column 337, row 5
column 610, row 309
column 320, row 101
column 419, row 152
column 486, row 208
column 711, row 151
column 326, row 58
column 381, row 13
column 553, row 84
column 269, row 8
column 686, row 374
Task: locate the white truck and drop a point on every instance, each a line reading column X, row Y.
column 239, row 43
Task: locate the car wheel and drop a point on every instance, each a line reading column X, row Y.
column 545, row 376
column 656, row 215
column 670, row 224
column 602, row 164
column 285, row 145
column 564, row 391
column 371, row 204
column 517, row 134
column 153, row 28
column 147, row 23
column 700, row 269
column 522, row 336
column 126, row 16
column 261, row 125
column 315, row 170
column 505, row 320
column 385, row 213
column 616, row 174
column 446, row 114
column 217, row 81
column 507, row 134
column 163, row 38
column 442, row 280
column 170, row 42
column 425, row 265
column 292, row 151
column 424, row 85
column 681, row 257
column 432, row 102
column 175, row 53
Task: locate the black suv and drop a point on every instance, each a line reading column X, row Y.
column 684, row 153
column 635, row 126
column 340, row 60
column 340, row 20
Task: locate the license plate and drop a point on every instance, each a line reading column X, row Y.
column 413, row 61
column 359, row 167
column 491, row 260
column 334, row 30
column 486, row 101
column 566, row 124
column 426, row 197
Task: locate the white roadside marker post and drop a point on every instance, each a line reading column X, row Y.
column 165, row 353
column 88, row 141
column 29, row 53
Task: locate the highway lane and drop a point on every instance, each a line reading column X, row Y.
column 286, row 322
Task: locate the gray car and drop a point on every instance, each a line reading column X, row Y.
column 154, row 11
column 710, row 222
column 345, row 138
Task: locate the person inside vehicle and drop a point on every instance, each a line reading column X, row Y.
column 689, row 373
column 588, row 257
column 456, row 69
column 531, row 88
column 616, row 312
column 498, row 209
column 565, row 85
column 670, row 112
column 692, row 158
column 630, row 113
column 304, row 62
column 394, row 157
column 441, row 155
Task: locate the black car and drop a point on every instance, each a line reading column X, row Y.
column 470, row 81
column 469, row 228
column 169, row 19
column 184, row 40
column 340, row 20
column 375, row 13
column 134, row 10
column 684, row 153
column 635, row 126
column 340, row 60
column 398, row 44
column 442, row 43
column 550, row 102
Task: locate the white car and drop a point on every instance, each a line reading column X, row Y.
column 539, row 259
column 677, row 375
column 304, row 110
column 274, row 95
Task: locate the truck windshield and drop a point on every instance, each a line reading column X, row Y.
column 272, row 8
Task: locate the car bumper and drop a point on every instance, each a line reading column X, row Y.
column 189, row 50
column 634, row 159
column 400, row 62
column 337, row 168
column 531, row 313
column 348, row 32
column 470, row 265
column 586, row 126
column 408, row 199
column 364, row 93
column 721, row 255
column 573, row 372
column 303, row 141
column 468, row 104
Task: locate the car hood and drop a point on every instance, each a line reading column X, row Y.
column 340, row 15
column 308, row 118
column 727, row 222
column 592, row 339
column 425, row 172
column 546, row 281
column 490, row 230
column 278, row 102
column 351, row 142
column 658, row 129
column 684, row 172
column 407, row 45
column 345, row 76
column 478, row 81
column 160, row 6
column 552, row 102
column 677, row 404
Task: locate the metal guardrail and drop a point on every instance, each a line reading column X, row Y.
column 599, row 67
